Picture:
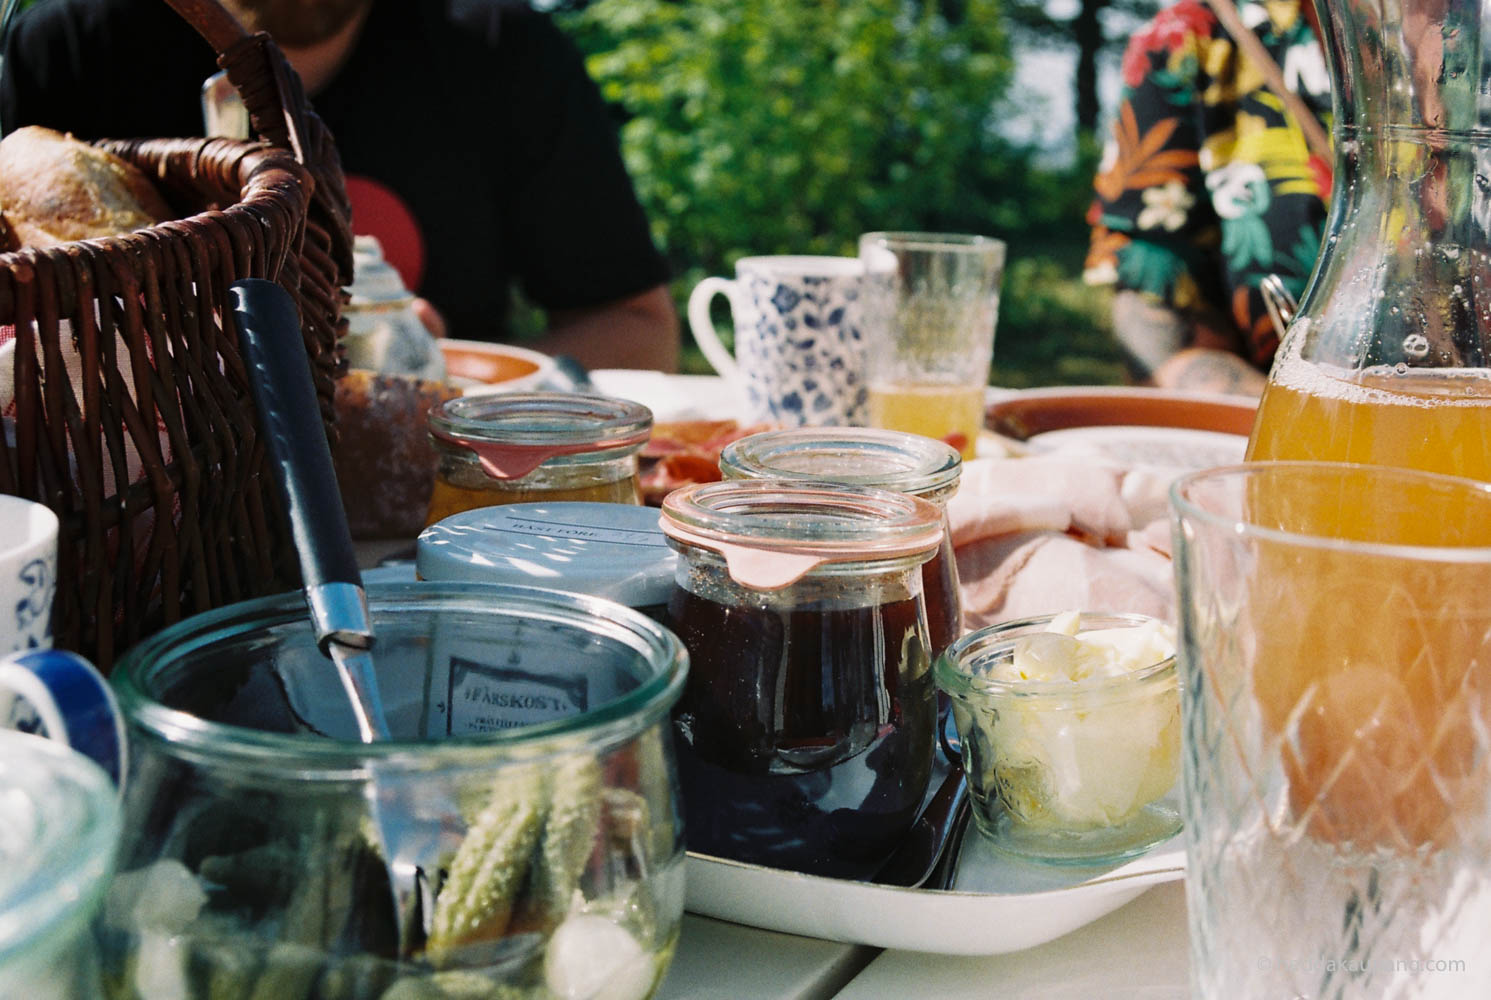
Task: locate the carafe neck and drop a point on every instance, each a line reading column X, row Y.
column 1404, row 277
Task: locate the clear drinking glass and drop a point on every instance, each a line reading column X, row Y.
column 1335, row 652
column 931, row 303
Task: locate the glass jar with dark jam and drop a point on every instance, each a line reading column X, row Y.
column 520, row 447
column 805, row 732
column 867, row 456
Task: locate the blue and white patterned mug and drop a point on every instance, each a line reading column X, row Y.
column 28, row 573
column 47, row 691
column 799, row 357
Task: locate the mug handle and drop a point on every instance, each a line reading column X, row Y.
column 60, row 695
column 703, row 327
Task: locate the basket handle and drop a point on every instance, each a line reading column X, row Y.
column 270, row 89
column 212, row 21
column 278, row 109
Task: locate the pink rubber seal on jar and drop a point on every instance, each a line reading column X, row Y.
column 513, row 433
column 771, row 533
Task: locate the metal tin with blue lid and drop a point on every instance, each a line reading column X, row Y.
column 610, row 550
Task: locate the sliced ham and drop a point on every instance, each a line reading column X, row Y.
column 1052, row 533
column 687, row 451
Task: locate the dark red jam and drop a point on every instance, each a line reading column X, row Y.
column 805, row 737
column 940, row 593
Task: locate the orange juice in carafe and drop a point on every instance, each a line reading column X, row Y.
column 1435, row 419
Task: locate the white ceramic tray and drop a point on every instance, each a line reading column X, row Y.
column 998, row 904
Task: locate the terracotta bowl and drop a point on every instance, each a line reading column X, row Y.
column 1035, row 411
column 475, row 366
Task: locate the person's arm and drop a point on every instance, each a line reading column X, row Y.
column 583, row 246
column 1157, row 338
column 636, row 332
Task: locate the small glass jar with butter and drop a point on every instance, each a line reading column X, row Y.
column 1070, row 728
column 520, row 447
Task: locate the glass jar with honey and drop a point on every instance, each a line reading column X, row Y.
column 868, row 456
column 519, row 447
column 805, row 732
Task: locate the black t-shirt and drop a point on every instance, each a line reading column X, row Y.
column 475, row 145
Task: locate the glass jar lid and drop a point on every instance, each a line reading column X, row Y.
column 374, row 279
column 513, row 433
column 860, row 456
column 772, row 532
column 610, row 550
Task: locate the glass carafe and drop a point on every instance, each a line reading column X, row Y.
column 1386, row 361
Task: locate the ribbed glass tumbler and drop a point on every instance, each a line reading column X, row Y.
column 1335, row 656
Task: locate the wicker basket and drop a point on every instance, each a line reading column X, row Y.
column 132, row 413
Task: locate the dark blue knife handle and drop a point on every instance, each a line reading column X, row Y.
column 290, row 418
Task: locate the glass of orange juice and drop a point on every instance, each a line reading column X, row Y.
column 1335, row 654
column 931, row 304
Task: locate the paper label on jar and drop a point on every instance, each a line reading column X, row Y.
column 547, row 524
column 485, row 698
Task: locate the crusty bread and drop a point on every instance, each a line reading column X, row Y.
column 56, row 189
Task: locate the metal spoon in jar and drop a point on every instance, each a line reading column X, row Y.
column 269, row 333
column 290, row 419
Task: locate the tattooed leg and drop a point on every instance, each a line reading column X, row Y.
column 1151, row 334
column 1204, row 369
column 1160, row 343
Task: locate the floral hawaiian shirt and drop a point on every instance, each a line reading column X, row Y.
column 1207, row 185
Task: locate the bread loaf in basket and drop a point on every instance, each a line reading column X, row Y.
column 129, row 411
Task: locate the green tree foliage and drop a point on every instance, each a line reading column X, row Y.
column 771, row 126
column 792, row 126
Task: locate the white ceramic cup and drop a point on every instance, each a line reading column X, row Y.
column 799, row 358
column 28, row 573
column 49, row 692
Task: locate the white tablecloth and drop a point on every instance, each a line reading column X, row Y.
column 1137, row 952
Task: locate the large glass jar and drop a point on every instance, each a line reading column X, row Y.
column 519, row 447
column 867, row 456
column 1387, row 359
column 806, row 731
column 59, row 821
column 518, row 836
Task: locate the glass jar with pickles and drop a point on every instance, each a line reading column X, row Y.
column 520, row 447
column 805, row 732
column 868, row 456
